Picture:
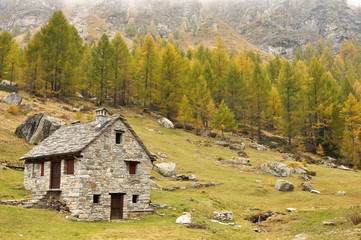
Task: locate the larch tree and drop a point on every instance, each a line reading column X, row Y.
column 101, row 66
column 223, row 119
column 185, row 112
column 289, row 87
column 13, row 61
column 6, row 40
column 32, row 70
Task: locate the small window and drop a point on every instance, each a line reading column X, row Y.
column 118, row 137
column 42, row 169
column 70, row 167
column 96, row 198
column 33, row 170
column 135, row 198
column 132, row 167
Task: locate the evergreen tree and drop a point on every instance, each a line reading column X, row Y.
column 223, row 119
column 15, row 31
column 152, row 29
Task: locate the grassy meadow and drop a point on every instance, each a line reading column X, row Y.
column 238, row 191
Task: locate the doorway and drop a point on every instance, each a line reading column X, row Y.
column 116, row 208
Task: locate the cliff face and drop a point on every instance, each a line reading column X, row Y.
column 276, row 26
column 280, row 26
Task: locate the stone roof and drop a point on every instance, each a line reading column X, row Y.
column 73, row 139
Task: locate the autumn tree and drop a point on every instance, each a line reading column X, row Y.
column 6, row 40
column 223, row 119
column 185, row 112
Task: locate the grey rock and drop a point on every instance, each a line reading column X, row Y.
column 258, row 147
column 300, row 237
column 329, row 223
column 315, row 191
column 166, row 123
column 291, row 209
column 224, row 216
column 155, row 186
column 29, row 106
column 276, row 169
column 284, row 186
column 162, row 155
column 183, row 177
column 238, row 161
column 307, row 186
column 13, row 98
column 343, row 168
column 186, row 218
column 222, row 143
column 195, row 185
column 158, row 205
column 8, row 83
column 166, row 169
column 38, row 127
column 340, row 193
column 238, row 146
column 299, row 171
column 71, row 218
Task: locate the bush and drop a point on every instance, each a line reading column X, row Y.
column 212, row 135
column 272, row 182
column 8, row 89
column 355, row 217
column 13, row 109
column 90, row 116
column 79, row 116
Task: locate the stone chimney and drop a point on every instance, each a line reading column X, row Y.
column 101, row 114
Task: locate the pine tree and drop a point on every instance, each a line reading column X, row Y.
column 223, row 119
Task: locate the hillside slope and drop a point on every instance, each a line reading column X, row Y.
column 242, row 189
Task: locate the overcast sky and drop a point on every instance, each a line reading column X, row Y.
column 355, row 2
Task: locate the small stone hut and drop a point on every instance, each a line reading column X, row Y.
column 100, row 169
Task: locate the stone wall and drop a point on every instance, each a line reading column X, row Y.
column 103, row 169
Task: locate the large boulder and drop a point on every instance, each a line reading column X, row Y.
column 166, row 169
column 8, row 83
column 13, row 98
column 306, row 186
column 276, row 169
column 186, row 218
column 284, row 186
column 166, row 123
column 38, row 127
column 224, row 216
column 222, row 143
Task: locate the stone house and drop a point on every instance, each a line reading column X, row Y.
column 100, row 169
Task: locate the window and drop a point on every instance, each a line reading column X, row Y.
column 42, row 169
column 132, row 167
column 33, row 170
column 96, row 198
column 70, row 166
column 135, row 198
column 118, row 136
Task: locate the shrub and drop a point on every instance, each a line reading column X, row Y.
column 90, row 116
column 272, row 182
column 355, row 217
column 13, row 109
column 304, row 163
column 78, row 116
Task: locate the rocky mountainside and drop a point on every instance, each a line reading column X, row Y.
column 275, row 26
column 280, row 26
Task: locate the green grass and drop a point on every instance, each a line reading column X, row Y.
column 238, row 192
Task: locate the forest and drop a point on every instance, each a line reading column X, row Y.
column 312, row 100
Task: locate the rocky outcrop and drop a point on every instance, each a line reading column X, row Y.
column 8, row 83
column 166, row 169
column 258, row 147
column 13, row 98
column 284, row 186
column 38, row 127
column 280, row 26
column 276, row 169
column 224, row 216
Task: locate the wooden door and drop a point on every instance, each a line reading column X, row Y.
column 55, row 175
column 116, row 209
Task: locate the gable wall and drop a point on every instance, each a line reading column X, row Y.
column 103, row 170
